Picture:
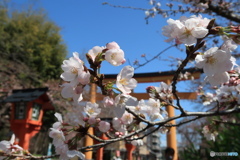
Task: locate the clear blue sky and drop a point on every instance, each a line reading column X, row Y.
column 87, row 23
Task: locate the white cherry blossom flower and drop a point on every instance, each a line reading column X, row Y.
column 127, row 118
column 74, row 69
column 217, row 79
column 155, row 116
column 83, row 77
column 147, row 13
column 115, row 56
column 118, row 125
column 214, row 61
column 9, row 147
column 58, row 137
column 226, row 93
column 172, row 30
column 229, row 45
column 125, row 82
column 71, row 67
column 191, row 31
column 70, row 91
column 95, row 51
column 58, row 124
column 92, row 109
column 158, row 4
column 164, row 91
column 62, row 151
column 107, row 101
column 121, row 102
column 154, row 104
column 203, row 22
column 140, row 108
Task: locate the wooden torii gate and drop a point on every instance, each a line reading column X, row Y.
column 148, row 78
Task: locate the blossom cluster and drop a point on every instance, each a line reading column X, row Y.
column 117, row 101
column 186, row 30
column 228, row 94
column 216, row 62
column 63, row 135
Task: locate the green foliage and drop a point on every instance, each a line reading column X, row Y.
column 29, row 37
column 228, row 140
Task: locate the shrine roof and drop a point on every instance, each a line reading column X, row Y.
column 27, row 94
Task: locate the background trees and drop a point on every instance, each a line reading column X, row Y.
column 31, row 51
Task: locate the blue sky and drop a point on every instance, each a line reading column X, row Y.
column 87, row 23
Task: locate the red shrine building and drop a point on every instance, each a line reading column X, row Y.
column 28, row 106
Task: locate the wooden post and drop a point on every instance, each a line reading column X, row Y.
column 172, row 134
column 89, row 140
column 130, row 148
column 100, row 150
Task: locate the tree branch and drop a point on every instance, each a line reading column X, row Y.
column 156, row 56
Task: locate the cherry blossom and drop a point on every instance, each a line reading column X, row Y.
column 186, row 30
column 164, row 91
column 75, row 117
column 154, row 104
column 74, row 69
column 217, row 79
column 172, row 30
column 58, row 124
column 215, row 63
column 119, row 126
column 74, row 92
column 125, row 82
column 108, row 101
column 121, row 102
column 141, row 108
column 191, row 31
column 91, row 109
column 9, row 146
column 127, row 118
column 58, row 136
column 95, row 51
column 115, row 56
column 71, row 67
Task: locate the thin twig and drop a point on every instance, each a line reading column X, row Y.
column 156, row 56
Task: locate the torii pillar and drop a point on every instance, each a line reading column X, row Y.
column 89, row 140
column 172, row 133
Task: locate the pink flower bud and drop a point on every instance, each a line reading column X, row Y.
column 92, row 120
column 104, row 126
column 112, row 45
